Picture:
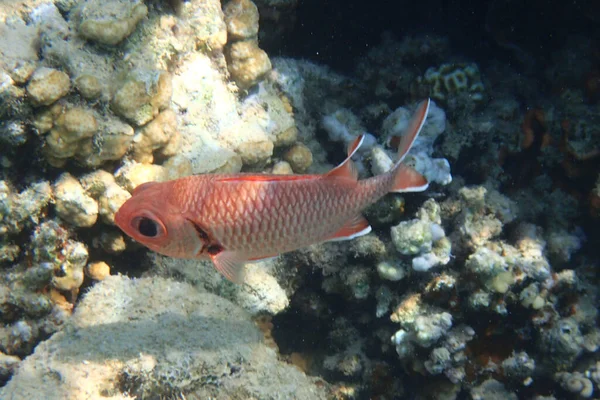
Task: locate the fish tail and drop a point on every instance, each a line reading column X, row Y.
column 406, row 178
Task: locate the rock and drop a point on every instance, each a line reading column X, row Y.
column 300, row 157
column 241, row 17
column 247, row 63
column 160, row 134
column 48, row 85
column 110, row 201
column 110, row 22
column 156, row 337
column 141, row 95
column 133, row 174
column 69, row 274
column 89, row 86
column 282, row 168
column 98, row 271
column 73, row 204
column 253, row 153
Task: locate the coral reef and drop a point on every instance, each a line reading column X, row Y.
column 485, row 286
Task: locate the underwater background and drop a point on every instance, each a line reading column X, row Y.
column 484, row 286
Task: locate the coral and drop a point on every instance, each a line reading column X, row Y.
column 97, row 98
column 160, row 134
column 576, row 383
column 424, row 238
column 242, row 367
column 491, row 389
column 344, row 126
column 82, row 134
column 19, row 211
column 72, row 204
column 447, row 80
column 247, row 63
column 241, row 17
column 381, row 162
column 299, row 157
column 88, row 86
column 8, row 364
column 346, row 356
column 110, row 201
column 282, row 168
column 492, row 268
column 421, row 325
column 142, row 94
column 131, row 175
column 112, row 242
column 391, row 270
column 424, row 331
column 261, row 294
column 68, row 275
column 48, row 85
column 483, row 212
column 18, row 48
column 450, row 358
column 110, row 22
column 562, row 343
column 384, row 298
column 563, row 245
column 32, row 307
column 218, row 147
column 396, row 123
column 97, row 271
column 413, row 237
column 535, row 129
column 519, row 366
column 391, row 67
column 530, row 297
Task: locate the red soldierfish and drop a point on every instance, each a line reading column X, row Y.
column 236, row 218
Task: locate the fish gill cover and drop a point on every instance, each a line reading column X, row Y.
column 484, row 286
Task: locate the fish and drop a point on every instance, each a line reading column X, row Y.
column 233, row 219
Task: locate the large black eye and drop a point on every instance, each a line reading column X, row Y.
column 147, row 227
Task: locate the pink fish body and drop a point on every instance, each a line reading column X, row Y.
column 236, row 218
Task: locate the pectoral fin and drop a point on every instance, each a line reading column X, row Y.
column 230, row 264
column 357, row 226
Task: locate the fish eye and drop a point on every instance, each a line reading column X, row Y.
column 147, row 227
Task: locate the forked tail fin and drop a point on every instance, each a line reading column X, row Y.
column 406, row 178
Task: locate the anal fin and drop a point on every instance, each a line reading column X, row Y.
column 407, row 179
column 230, row 264
column 357, row 226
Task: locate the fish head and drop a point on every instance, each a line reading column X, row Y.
column 152, row 219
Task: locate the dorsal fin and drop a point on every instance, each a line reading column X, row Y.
column 347, row 169
column 265, row 178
